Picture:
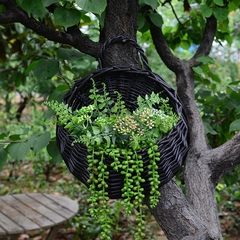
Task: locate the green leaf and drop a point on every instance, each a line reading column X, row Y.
column 48, row 2
column 30, row 54
column 185, row 44
column 205, row 59
column 2, row 8
column 229, row 39
column 54, row 152
column 94, row 6
column 86, row 20
column 68, row 54
column 39, row 141
column 67, row 17
column 233, row 5
column 58, row 93
column 15, row 137
column 221, row 14
column 235, row 83
column 95, row 130
column 145, row 27
column 209, row 129
column 107, row 138
column 153, row 3
column 3, row 156
column 31, row 66
column 156, row 19
column 218, row 197
column 25, row 130
column 230, row 178
column 219, row 2
column 89, row 135
column 206, row 11
column 3, row 135
column 33, row 7
column 234, row 126
column 141, row 20
column 98, row 140
column 49, row 114
column 237, row 110
column 236, row 2
column 46, row 68
column 18, row 150
column 214, row 77
column 197, row 70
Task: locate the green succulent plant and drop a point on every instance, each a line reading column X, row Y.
column 108, row 128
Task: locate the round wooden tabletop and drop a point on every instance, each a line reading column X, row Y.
column 21, row 213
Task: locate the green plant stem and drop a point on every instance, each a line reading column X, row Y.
column 154, row 156
column 99, row 207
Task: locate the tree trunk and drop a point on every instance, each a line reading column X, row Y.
column 193, row 216
column 120, row 20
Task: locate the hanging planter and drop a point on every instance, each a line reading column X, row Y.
column 122, row 131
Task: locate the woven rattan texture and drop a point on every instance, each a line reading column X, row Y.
column 130, row 83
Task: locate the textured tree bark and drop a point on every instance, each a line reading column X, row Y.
column 120, row 19
column 177, row 217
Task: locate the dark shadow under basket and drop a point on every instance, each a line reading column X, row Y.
column 130, row 83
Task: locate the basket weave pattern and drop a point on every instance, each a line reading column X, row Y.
column 130, row 82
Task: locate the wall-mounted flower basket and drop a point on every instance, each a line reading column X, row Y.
column 122, row 131
column 130, row 82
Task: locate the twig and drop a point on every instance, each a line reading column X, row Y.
column 174, row 12
column 8, row 69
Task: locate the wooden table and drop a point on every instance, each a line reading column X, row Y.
column 23, row 213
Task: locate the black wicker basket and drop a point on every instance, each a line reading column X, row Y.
column 130, row 82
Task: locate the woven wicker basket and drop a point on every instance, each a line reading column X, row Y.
column 130, row 82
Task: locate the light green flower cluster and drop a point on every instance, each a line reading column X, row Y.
column 125, row 125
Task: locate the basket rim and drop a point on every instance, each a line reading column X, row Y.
column 126, row 70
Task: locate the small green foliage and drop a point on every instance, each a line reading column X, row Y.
column 94, row 6
column 67, row 17
column 46, row 68
column 109, row 129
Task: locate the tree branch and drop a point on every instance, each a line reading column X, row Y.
column 171, row 61
column 174, row 13
column 207, row 40
column 72, row 37
column 185, row 88
column 225, row 158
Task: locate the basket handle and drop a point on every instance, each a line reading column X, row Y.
column 123, row 39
